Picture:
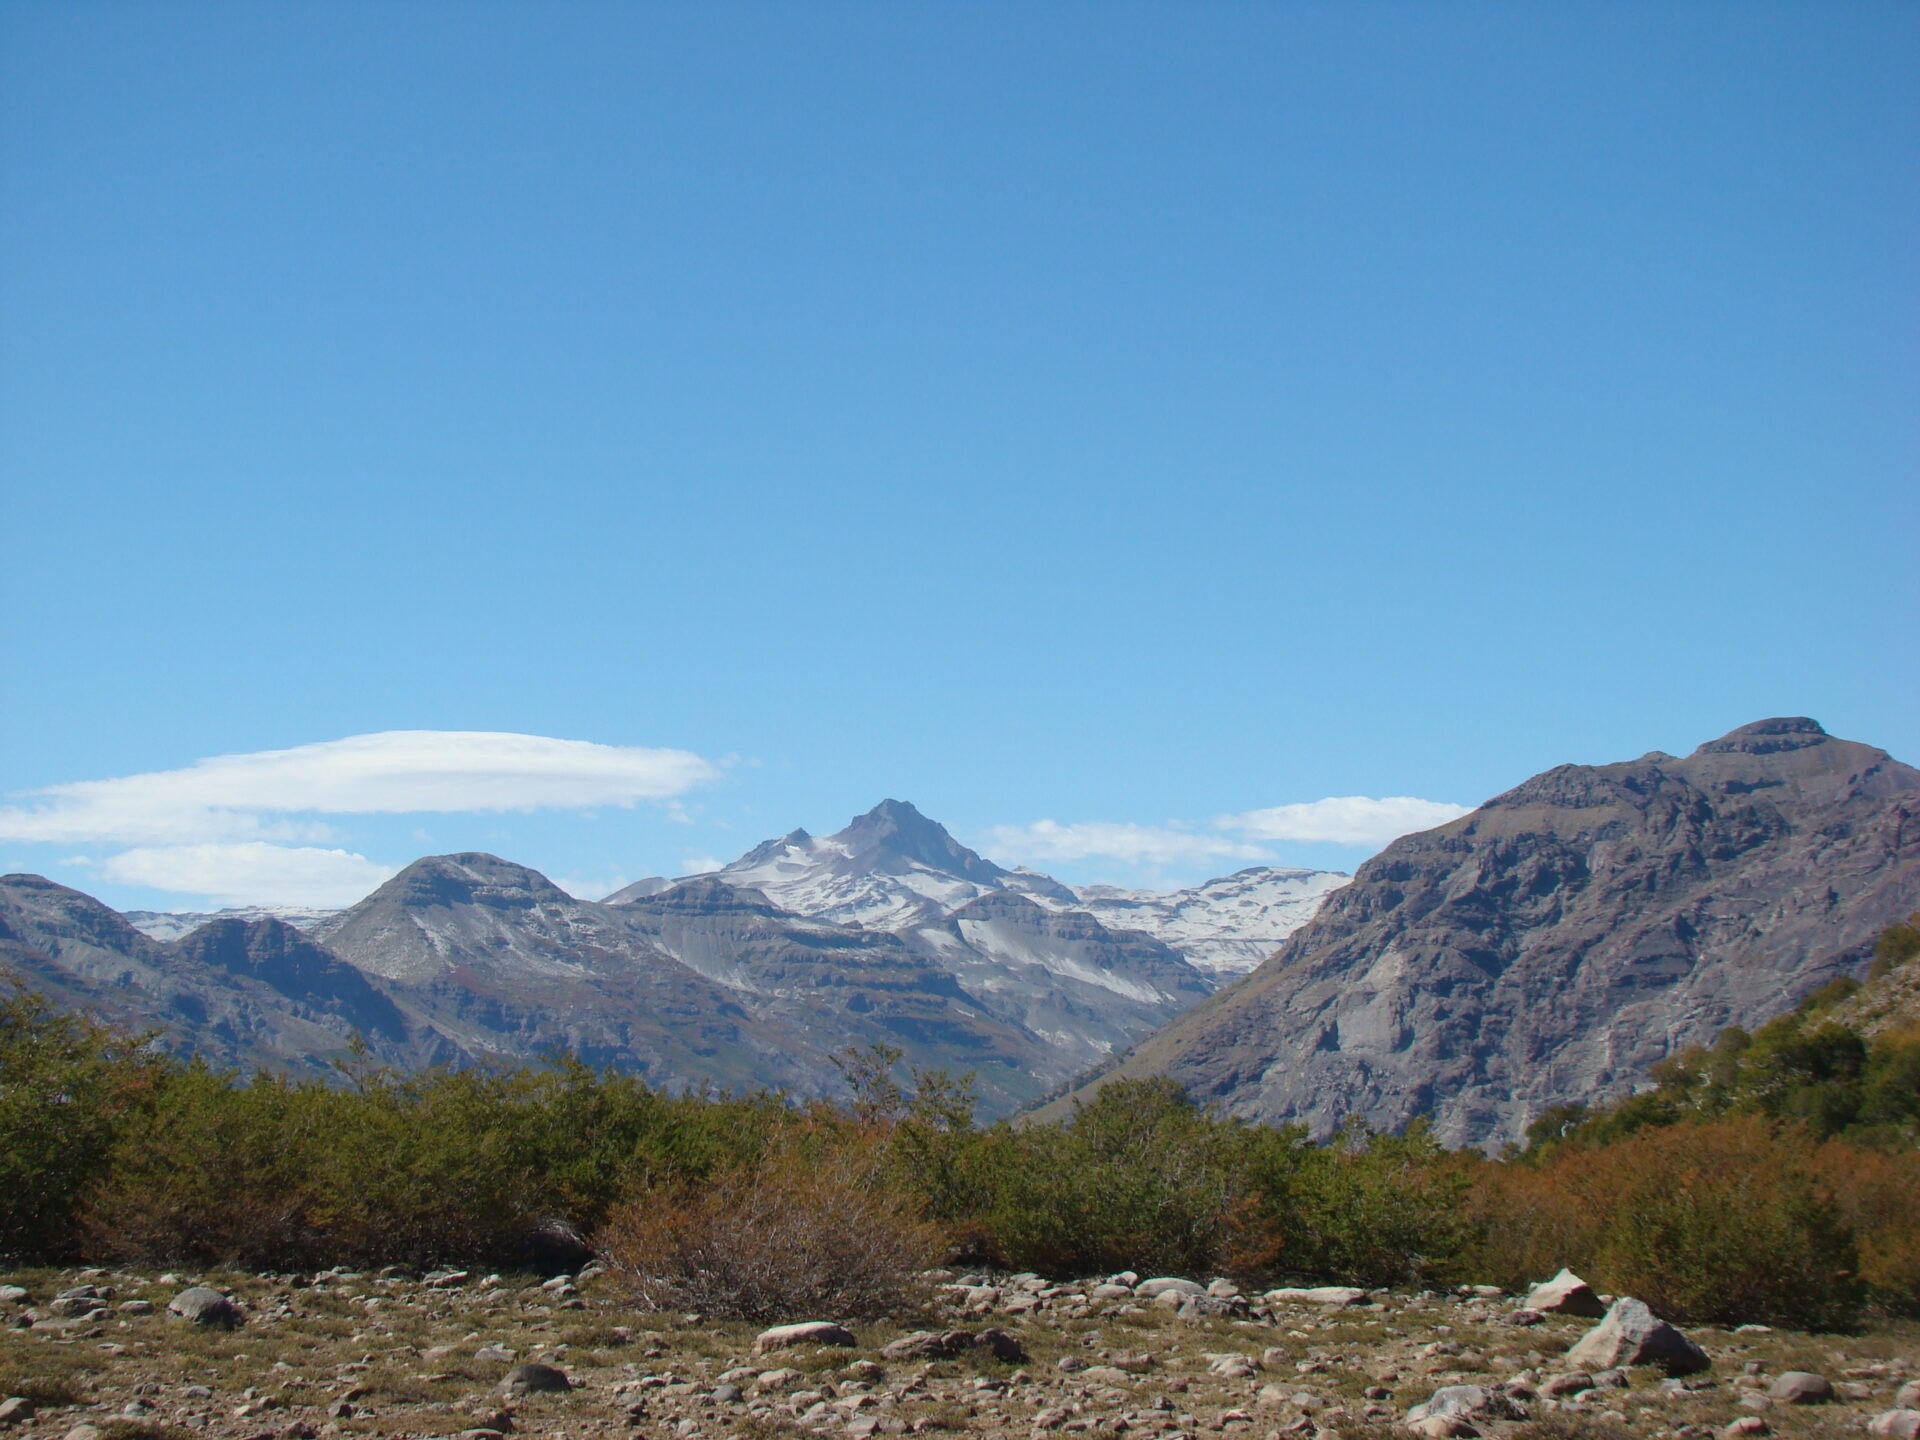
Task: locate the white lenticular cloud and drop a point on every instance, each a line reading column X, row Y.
column 248, row 797
column 249, row 873
column 1343, row 819
column 1137, row 844
column 1338, row 820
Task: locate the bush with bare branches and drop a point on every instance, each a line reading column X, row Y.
column 799, row 1234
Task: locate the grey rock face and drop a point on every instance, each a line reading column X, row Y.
column 1631, row 1334
column 1065, row 975
column 1555, row 943
column 845, row 986
column 254, row 996
column 283, row 958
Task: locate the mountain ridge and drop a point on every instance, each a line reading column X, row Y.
column 1552, row 944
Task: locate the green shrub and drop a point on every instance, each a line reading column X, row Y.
column 1367, row 1208
column 1137, row 1179
column 66, row 1086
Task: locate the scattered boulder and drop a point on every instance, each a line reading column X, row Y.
column 1570, row 1382
column 1800, row 1387
column 774, row 1380
column 1006, row 1348
column 804, row 1332
column 934, row 1344
column 15, row 1410
column 1167, row 1285
column 1901, row 1424
column 928, row 1344
column 1468, row 1402
column 1631, row 1334
column 1743, row 1428
column 203, row 1305
column 1317, row 1295
column 555, row 1247
column 1565, row 1294
column 535, row 1378
column 13, row 1295
column 1206, row 1307
column 1908, row 1396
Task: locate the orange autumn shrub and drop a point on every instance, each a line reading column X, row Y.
column 1727, row 1220
column 1878, row 1195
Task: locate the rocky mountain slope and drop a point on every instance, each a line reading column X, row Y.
column 248, row 995
column 1009, row 939
column 472, row 959
column 1889, row 1003
column 1553, row 944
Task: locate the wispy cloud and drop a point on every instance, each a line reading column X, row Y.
column 266, row 795
column 1339, row 820
column 242, row 829
column 1157, row 845
column 251, row 872
column 1343, row 819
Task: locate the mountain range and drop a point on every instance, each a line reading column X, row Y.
column 1546, row 948
column 756, row 975
column 1553, row 944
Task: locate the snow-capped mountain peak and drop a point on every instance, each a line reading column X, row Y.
column 889, row 869
column 894, row 869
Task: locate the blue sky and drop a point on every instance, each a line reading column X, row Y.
column 1130, row 417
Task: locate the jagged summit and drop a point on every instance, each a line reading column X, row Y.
column 895, row 831
column 889, row 868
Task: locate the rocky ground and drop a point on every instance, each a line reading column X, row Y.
column 97, row 1355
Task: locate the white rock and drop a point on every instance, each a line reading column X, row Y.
column 1167, row 1285
column 1316, row 1295
column 1565, row 1294
column 804, row 1332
